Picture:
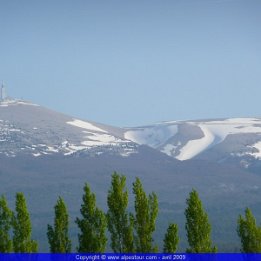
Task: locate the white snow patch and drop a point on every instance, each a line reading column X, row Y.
column 101, row 139
column 27, row 103
column 96, row 140
column 258, row 147
column 65, row 144
column 194, row 147
column 153, row 136
column 74, row 148
column 8, row 102
column 52, row 149
column 14, row 130
column 127, row 153
column 85, row 125
column 36, row 154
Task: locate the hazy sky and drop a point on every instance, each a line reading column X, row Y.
column 134, row 62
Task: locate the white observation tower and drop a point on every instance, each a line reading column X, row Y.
column 2, row 93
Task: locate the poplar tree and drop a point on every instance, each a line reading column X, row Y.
column 92, row 225
column 22, row 229
column 146, row 211
column 249, row 233
column 171, row 239
column 197, row 226
column 5, row 226
column 58, row 238
column 119, row 224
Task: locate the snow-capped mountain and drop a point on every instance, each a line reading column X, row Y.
column 46, row 154
column 207, row 139
column 28, row 128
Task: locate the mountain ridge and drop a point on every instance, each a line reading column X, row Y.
column 52, row 132
column 37, row 130
column 185, row 140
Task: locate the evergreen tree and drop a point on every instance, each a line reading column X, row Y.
column 197, row 226
column 58, row 235
column 146, row 211
column 22, row 229
column 92, row 225
column 118, row 219
column 171, row 239
column 5, row 226
column 249, row 233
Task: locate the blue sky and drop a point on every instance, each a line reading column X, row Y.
column 134, row 62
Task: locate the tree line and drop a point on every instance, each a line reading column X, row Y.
column 129, row 232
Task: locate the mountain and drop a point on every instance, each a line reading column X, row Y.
column 227, row 140
column 33, row 130
column 28, row 128
column 46, row 154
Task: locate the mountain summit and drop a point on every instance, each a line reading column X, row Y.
column 28, row 128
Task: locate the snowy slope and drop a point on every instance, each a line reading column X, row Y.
column 28, row 128
column 185, row 140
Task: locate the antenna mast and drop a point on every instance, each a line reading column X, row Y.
column 2, row 92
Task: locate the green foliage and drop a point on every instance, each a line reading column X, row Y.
column 197, row 226
column 146, row 211
column 171, row 239
column 22, row 229
column 6, row 216
column 249, row 233
column 119, row 224
column 129, row 232
column 58, row 235
column 92, row 225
